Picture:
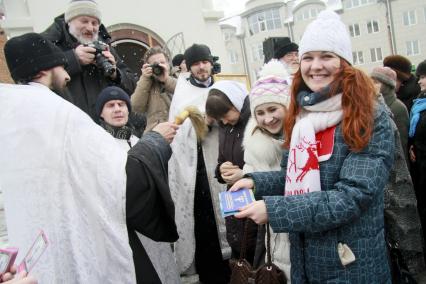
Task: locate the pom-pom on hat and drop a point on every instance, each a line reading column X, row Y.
column 82, row 8
column 400, row 64
column 327, row 33
column 271, row 87
column 30, row 53
column 384, row 75
column 421, row 69
column 197, row 52
column 111, row 93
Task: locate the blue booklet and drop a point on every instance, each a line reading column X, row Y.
column 230, row 202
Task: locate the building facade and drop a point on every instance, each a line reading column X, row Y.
column 377, row 27
column 134, row 25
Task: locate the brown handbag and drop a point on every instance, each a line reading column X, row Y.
column 243, row 273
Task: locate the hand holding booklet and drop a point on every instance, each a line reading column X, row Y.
column 231, row 202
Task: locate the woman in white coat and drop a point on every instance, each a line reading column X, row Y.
column 263, row 139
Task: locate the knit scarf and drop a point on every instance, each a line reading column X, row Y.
column 303, row 174
column 123, row 132
column 418, row 106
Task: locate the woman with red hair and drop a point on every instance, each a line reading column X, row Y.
column 340, row 144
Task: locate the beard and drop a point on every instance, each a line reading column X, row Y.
column 79, row 37
column 202, row 75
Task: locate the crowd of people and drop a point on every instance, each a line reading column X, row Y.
column 126, row 193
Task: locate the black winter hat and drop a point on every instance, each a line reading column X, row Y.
column 177, row 59
column 421, row 68
column 111, row 93
column 284, row 46
column 197, row 52
column 400, row 64
column 30, row 53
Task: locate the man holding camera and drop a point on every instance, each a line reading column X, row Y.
column 155, row 88
column 92, row 63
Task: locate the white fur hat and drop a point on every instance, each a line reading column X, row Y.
column 327, row 33
column 271, row 87
column 82, row 8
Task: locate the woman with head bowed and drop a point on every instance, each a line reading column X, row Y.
column 339, row 148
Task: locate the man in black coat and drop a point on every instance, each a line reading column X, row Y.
column 92, row 63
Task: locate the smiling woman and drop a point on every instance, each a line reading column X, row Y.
column 340, row 149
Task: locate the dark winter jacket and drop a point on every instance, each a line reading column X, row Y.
column 230, row 149
column 408, row 91
column 230, row 140
column 401, row 118
column 87, row 80
column 402, row 223
column 149, row 207
column 349, row 210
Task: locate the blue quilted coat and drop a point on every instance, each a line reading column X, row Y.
column 348, row 210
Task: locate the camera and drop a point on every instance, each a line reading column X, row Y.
column 101, row 61
column 216, row 65
column 156, row 69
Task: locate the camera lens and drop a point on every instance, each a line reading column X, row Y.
column 157, row 69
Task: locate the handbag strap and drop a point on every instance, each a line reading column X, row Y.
column 268, row 246
column 244, row 240
column 244, row 243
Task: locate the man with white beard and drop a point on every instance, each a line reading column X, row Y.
column 81, row 36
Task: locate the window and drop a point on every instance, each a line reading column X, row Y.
column 372, row 26
column 233, row 56
column 412, row 47
column 354, row 30
column 257, row 51
column 409, row 18
column 358, row 57
column 358, row 3
column 264, row 21
column 376, row 54
column 424, row 10
column 228, row 35
column 308, row 14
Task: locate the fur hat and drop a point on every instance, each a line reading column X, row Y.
column 400, row 64
column 284, row 46
column 271, row 87
column 82, row 8
column 421, row 69
column 111, row 93
column 327, row 33
column 197, row 52
column 384, row 75
column 30, row 53
column 177, row 59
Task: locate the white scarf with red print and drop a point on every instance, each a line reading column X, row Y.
column 312, row 141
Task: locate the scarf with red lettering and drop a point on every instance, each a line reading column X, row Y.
column 312, row 141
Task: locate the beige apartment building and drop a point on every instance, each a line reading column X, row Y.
column 378, row 28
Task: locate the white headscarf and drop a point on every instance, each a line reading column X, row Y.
column 235, row 91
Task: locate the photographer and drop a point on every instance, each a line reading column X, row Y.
column 155, row 88
column 92, row 63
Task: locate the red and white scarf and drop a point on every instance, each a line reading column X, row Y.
column 312, row 141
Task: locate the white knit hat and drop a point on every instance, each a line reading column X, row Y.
column 82, row 8
column 271, row 87
column 327, row 33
